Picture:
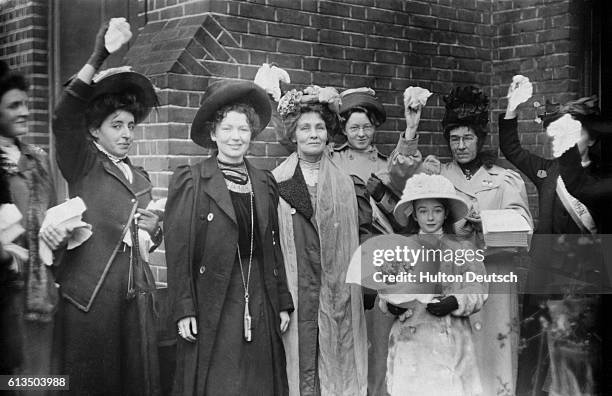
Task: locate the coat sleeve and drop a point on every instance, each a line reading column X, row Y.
column 470, row 296
column 580, row 183
column 364, row 210
column 514, row 195
column 403, row 163
column 75, row 154
column 284, row 296
column 510, row 146
column 179, row 215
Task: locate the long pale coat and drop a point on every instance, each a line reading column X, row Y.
column 496, row 326
column 430, row 355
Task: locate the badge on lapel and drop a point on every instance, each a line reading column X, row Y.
column 542, row 174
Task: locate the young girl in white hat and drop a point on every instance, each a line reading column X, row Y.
column 431, row 351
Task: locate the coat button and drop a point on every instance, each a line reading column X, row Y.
column 275, row 272
column 202, row 269
column 210, row 217
column 292, row 211
column 478, row 325
column 133, row 200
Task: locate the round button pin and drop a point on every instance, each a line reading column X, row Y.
column 210, row 217
column 202, row 269
column 292, row 211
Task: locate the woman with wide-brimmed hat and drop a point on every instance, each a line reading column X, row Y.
column 421, row 360
column 109, row 340
column 326, row 343
column 226, row 278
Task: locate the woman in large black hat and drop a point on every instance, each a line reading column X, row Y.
column 109, row 338
column 226, row 277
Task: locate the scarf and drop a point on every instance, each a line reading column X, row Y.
column 41, row 296
column 119, row 162
column 342, row 332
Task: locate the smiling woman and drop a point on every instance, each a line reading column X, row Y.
column 221, row 220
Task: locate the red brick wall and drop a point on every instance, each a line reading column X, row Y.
column 23, row 45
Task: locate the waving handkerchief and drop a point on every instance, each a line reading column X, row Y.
column 415, row 97
column 520, row 91
column 565, row 132
column 117, row 34
column 269, row 77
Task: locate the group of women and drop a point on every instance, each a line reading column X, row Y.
column 257, row 260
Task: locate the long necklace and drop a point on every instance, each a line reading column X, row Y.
column 245, row 283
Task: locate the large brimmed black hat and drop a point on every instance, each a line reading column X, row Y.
column 363, row 98
column 122, row 79
column 223, row 93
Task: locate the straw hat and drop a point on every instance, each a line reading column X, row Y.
column 422, row 186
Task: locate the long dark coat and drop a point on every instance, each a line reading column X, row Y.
column 553, row 217
column 200, row 252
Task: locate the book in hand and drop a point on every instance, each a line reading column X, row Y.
column 505, row 228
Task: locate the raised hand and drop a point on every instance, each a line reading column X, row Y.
column 117, row 34
column 520, row 91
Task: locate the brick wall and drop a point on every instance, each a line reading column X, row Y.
column 385, row 44
column 23, row 45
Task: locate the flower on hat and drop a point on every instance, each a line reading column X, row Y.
column 290, row 102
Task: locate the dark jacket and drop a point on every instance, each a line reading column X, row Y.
column 595, row 192
column 110, row 199
column 552, row 217
column 200, row 252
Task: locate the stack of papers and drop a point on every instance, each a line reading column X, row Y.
column 67, row 215
column 505, row 228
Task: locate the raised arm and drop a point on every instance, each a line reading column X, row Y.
column 519, row 92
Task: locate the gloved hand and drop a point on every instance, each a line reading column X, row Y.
column 99, row 53
column 444, row 307
column 395, row 310
column 520, row 91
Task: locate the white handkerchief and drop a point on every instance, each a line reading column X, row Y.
column 415, row 97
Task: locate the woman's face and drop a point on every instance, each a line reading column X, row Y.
column 14, row 113
column 310, row 136
column 233, row 136
column 359, row 131
column 463, row 144
column 116, row 133
column 430, row 214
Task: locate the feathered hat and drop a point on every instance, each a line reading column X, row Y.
column 465, row 106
